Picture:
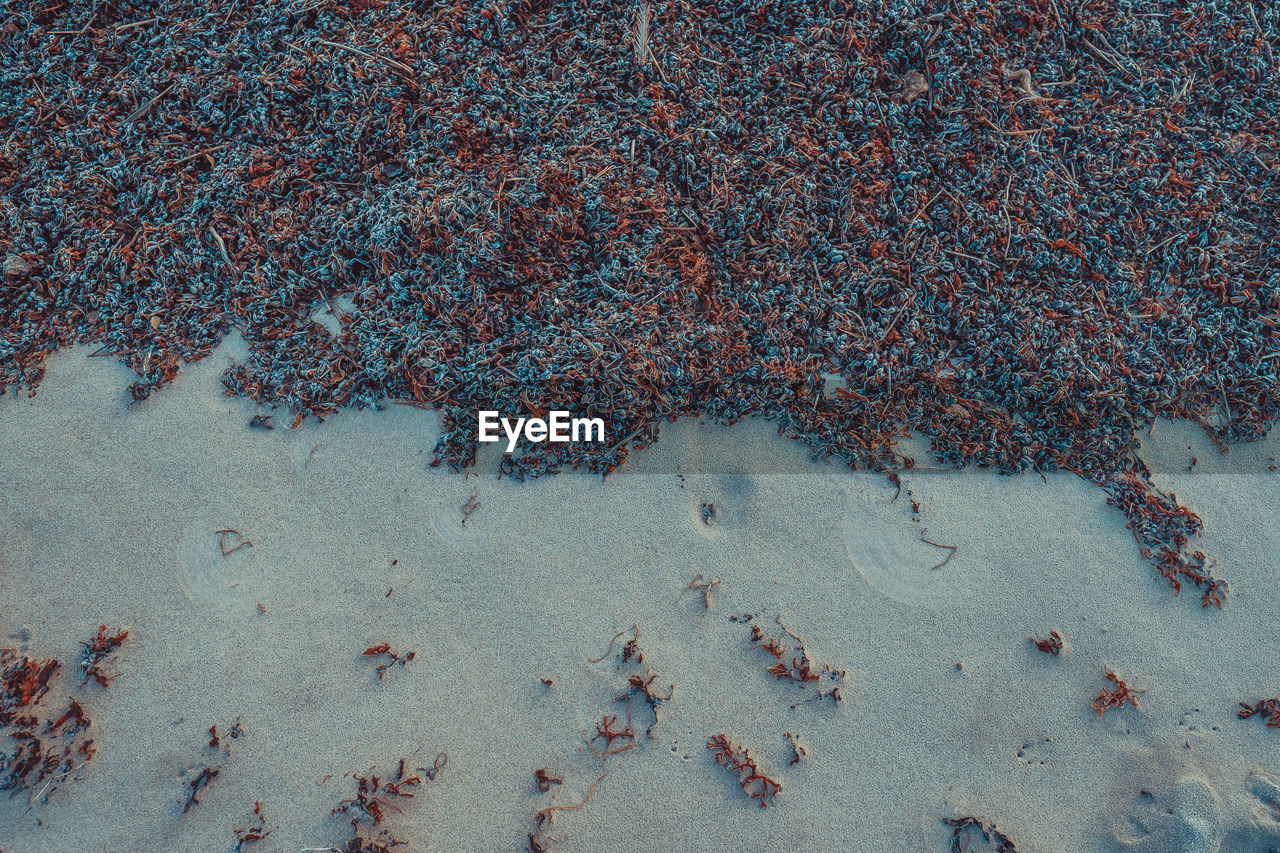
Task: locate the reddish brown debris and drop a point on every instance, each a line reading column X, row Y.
column 544, row 779
column 965, row 829
column 793, row 662
column 540, row 840
column 230, row 541
column 1164, row 529
column 24, row 681
column 1050, row 645
column 215, row 740
column 645, row 687
column 97, row 650
column 615, row 739
column 1267, row 709
column 395, row 659
column 198, row 784
column 630, row 650
column 754, row 784
column 250, row 834
column 1116, row 697
column 374, row 796
column 45, row 752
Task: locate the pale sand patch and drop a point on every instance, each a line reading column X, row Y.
column 108, row 515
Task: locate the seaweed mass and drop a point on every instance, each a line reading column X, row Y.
column 1023, row 229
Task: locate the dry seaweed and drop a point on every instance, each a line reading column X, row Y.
column 1116, row 697
column 540, row 840
column 98, row 650
column 230, row 541
column 374, row 798
column 1050, row 645
column 794, row 665
column 630, row 649
column 1267, row 710
column 250, row 834
column 965, row 830
column 613, row 737
column 24, row 681
column 753, row 782
column 198, row 784
column 643, row 686
column 400, row 660
column 1000, row 231
column 544, row 779
column 41, row 752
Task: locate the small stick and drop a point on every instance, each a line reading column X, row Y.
column 945, row 560
column 194, row 156
column 120, row 27
column 222, row 541
column 146, row 108
column 702, row 585
column 222, row 247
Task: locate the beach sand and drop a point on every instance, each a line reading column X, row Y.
column 108, row 516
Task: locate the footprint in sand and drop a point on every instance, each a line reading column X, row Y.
column 1036, row 751
column 1262, row 831
column 461, row 521
column 214, row 581
column 890, row 552
column 721, row 505
column 1187, row 819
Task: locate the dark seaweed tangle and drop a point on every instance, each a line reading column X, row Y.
column 1024, row 229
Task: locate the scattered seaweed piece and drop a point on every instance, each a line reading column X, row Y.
column 214, row 765
column 754, row 784
column 261, row 422
column 540, row 840
column 251, row 834
column 1118, row 697
column 767, row 643
column 430, row 773
column 1267, row 709
column 198, row 784
column 228, row 536
column 966, row 829
column 215, row 740
column 395, row 659
column 1163, row 529
column 370, row 801
column 1050, row 645
column 630, row 649
column 794, row 665
column 49, row 756
column 44, row 752
column 616, row 740
column 374, row 797
column 701, row 585
column 98, row 650
column 707, row 512
column 25, row 681
column 544, row 779
column 642, row 686
column 469, row 506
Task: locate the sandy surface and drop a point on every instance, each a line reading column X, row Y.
column 108, row 514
